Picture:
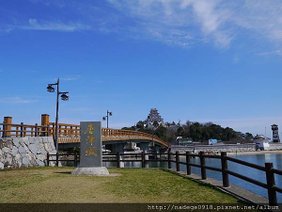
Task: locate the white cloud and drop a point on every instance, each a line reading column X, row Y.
column 179, row 22
column 262, row 19
column 174, row 22
column 34, row 24
column 6, row 29
column 185, row 22
column 57, row 3
column 277, row 52
column 16, row 100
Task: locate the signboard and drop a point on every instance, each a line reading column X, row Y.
column 90, row 144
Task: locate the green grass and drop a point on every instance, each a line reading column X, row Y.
column 50, row 185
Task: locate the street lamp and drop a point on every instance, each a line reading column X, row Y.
column 107, row 117
column 64, row 96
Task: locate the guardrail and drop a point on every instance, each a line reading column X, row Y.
column 175, row 158
column 267, row 169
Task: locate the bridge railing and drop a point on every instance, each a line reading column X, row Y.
column 9, row 129
column 185, row 159
column 67, row 133
column 66, row 130
column 23, row 130
column 129, row 133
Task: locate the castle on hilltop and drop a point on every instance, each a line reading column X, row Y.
column 154, row 119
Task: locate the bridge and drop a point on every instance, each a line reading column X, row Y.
column 112, row 135
column 69, row 134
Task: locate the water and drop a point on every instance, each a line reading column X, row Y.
column 259, row 159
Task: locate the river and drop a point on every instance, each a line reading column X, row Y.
column 259, row 159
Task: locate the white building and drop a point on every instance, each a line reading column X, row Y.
column 262, row 142
column 154, row 118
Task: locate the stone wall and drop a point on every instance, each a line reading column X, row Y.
column 215, row 148
column 25, row 151
column 275, row 146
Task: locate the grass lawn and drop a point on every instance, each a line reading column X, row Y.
column 57, row 185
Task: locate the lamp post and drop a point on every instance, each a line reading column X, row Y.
column 64, row 97
column 107, row 117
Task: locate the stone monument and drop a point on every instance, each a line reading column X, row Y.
column 90, row 150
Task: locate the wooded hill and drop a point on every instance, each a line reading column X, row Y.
column 195, row 131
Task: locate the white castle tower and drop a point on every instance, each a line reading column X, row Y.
column 153, row 118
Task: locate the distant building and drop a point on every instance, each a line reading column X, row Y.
column 154, row 119
column 275, row 134
column 184, row 141
column 262, row 145
column 262, row 142
column 212, row 141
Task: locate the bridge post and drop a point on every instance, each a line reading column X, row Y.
column 57, row 159
column 7, row 126
column 118, row 159
column 45, row 121
column 143, row 159
column 48, row 159
column 169, row 159
column 270, row 179
column 22, row 129
column 188, row 167
column 75, row 159
column 224, row 169
column 203, row 164
column 177, row 161
column 36, row 130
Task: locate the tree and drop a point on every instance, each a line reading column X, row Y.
column 140, row 124
column 249, row 136
column 193, row 130
column 180, row 131
column 161, row 132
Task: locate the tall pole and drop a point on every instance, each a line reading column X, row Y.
column 57, row 116
column 64, row 97
column 107, row 119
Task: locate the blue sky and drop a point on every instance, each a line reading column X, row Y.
column 197, row 60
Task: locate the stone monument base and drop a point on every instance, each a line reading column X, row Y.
column 95, row 171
